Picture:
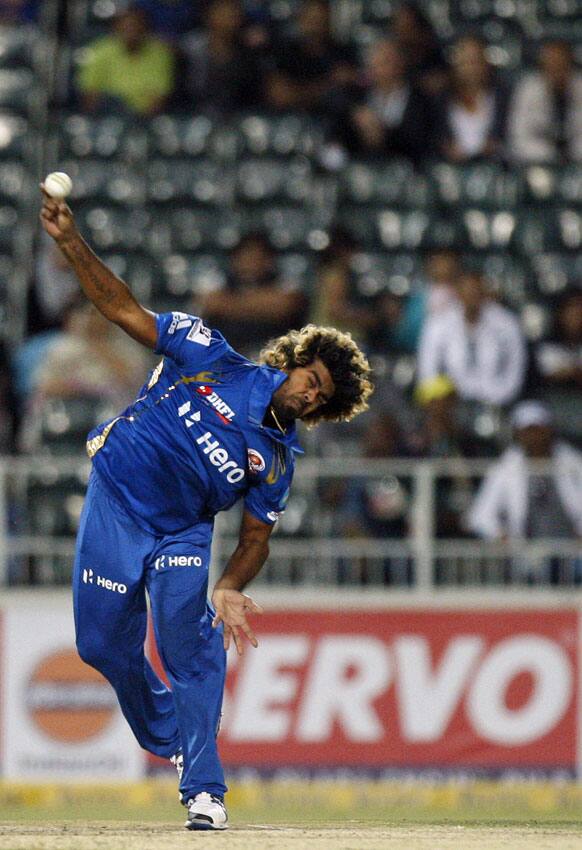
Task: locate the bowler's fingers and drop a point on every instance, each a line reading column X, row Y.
column 252, row 606
column 249, row 633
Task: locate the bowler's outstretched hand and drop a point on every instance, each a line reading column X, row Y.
column 232, row 608
column 56, row 217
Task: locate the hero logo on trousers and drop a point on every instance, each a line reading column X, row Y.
column 177, row 561
column 89, row 577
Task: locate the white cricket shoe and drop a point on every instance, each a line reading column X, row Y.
column 205, row 811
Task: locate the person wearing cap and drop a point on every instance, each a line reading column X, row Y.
column 518, row 500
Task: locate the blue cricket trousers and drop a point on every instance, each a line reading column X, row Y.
column 115, row 563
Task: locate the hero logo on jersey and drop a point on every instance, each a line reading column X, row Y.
column 256, row 461
column 221, row 408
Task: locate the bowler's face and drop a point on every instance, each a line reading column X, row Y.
column 306, row 389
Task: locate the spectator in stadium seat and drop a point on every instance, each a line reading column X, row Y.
column 311, row 70
column 415, row 35
column 224, row 74
column 91, row 358
column 442, row 269
column 473, row 107
column 477, row 343
column 336, row 299
column 393, row 118
column 443, row 436
column 559, row 359
column 255, row 303
column 545, row 117
column 398, row 320
column 376, row 507
column 517, row 501
column 130, row 70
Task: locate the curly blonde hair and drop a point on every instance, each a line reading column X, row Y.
column 347, row 365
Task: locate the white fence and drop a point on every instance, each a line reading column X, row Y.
column 318, row 544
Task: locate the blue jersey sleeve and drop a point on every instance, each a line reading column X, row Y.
column 267, row 502
column 187, row 340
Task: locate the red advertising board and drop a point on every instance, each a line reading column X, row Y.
column 412, row 688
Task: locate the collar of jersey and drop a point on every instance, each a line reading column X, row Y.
column 267, row 381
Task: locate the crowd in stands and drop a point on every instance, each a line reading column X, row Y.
column 406, row 96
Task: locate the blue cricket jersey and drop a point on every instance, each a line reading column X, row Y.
column 193, row 443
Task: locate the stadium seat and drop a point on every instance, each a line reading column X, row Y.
column 507, row 276
column 18, row 91
column 395, row 183
column 553, row 272
column 112, row 137
column 178, row 136
column 483, row 184
column 486, row 230
column 16, row 136
column 15, row 182
column 263, row 180
column 63, row 424
column 395, row 230
column 278, row 136
column 113, row 228
column 201, row 181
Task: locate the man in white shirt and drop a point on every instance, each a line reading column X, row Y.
column 545, row 117
column 521, row 501
column 477, row 343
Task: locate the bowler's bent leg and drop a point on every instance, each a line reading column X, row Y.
column 111, row 618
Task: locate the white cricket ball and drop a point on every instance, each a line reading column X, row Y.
column 58, row 185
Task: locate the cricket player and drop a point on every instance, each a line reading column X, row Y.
column 207, row 429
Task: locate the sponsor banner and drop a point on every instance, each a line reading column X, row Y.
column 61, row 718
column 405, row 689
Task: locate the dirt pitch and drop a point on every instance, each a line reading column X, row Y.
column 293, row 815
column 347, row 836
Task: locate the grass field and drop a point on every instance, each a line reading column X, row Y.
column 315, row 816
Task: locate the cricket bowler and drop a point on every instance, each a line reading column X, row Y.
column 208, row 428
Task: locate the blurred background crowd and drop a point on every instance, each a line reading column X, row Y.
column 409, row 172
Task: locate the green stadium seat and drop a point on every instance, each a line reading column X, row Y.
column 548, row 230
column 15, row 182
column 201, row 181
column 396, row 183
column 554, row 272
column 266, row 135
column 177, row 136
column 16, row 136
column 507, row 275
column 483, row 184
column 19, row 46
column 395, row 230
column 111, row 137
column 487, row 230
column 111, row 228
column 18, row 90
column 263, row 180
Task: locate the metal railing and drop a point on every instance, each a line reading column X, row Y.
column 318, row 543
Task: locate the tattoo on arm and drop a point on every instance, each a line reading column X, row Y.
column 100, row 285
